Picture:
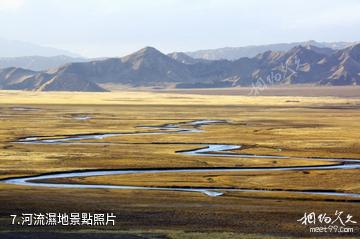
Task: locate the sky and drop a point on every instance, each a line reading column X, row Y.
column 99, row 28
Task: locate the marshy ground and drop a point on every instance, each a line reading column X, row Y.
column 296, row 127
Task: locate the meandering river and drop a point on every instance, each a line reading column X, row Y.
column 206, row 150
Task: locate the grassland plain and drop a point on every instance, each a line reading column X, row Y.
column 298, row 127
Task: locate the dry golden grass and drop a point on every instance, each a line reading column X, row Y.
column 338, row 180
column 292, row 126
column 149, row 98
column 276, row 90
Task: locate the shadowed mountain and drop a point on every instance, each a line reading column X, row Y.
column 300, row 65
column 21, row 79
column 149, row 67
column 295, row 66
column 344, row 67
column 146, row 67
column 13, row 78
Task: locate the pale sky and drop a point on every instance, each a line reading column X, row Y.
column 95, row 28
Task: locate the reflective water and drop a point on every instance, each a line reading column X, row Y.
column 207, row 150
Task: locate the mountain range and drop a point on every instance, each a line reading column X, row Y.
column 12, row 48
column 38, row 58
column 149, row 67
column 233, row 53
column 38, row 63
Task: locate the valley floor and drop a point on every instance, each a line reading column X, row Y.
column 277, row 90
column 298, row 128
